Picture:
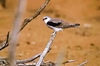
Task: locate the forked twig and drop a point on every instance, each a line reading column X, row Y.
column 4, row 43
column 26, row 21
column 5, row 61
column 30, row 59
column 46, row 48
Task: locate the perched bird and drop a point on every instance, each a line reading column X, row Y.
column 58, row 24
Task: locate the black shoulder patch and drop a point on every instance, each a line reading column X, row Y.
column 53, row 24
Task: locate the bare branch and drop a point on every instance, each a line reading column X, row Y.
column 68, row 61
column 5, row 61
column 7, row 37
column 46, row 48
column 4, row 43
column 26, row 21
column 30, row 59
column 82, row 64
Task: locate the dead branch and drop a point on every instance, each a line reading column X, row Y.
column 5, row 61
column 7, row 37
column 43, row 64
column 30, row 59
column 46, row 48
column 26, row 21
column 83, row 63
column 4, row 43
column 68, row 61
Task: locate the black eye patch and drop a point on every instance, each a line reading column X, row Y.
column 44, row 18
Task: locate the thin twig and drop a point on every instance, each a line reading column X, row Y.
column 30, row 59
column 4, row 43
column 68, row 61
column 26, row 21
column 7, row 37
column 82, row 64
column 46, row 48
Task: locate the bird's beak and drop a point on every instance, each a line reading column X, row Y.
column 43, row 19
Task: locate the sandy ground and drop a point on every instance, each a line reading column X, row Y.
column 78, row 44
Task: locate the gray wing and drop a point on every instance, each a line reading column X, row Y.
column 55, row 22
column 59, row 23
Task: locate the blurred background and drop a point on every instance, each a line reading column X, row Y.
column 78, row 44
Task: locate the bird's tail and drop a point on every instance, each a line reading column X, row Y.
column 76, row 25
column 72, row 25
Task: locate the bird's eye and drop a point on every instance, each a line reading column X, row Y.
column 45, row 18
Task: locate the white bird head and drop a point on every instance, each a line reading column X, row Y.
column 46, row 19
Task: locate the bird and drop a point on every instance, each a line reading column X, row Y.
column 58, row 24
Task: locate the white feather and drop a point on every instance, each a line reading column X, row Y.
column 46, row 20
column 56, row 29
